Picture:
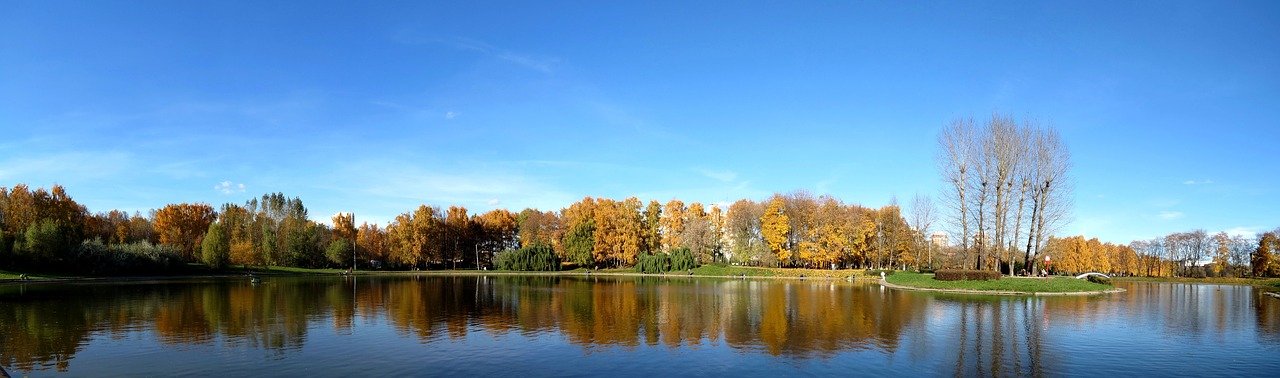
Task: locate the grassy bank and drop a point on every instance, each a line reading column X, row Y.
column 1272, row 282
column 1022, row 285
column 705, row 270
column 8, row 275
column 189, row 270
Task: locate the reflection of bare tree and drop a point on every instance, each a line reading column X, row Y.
column 981, row 336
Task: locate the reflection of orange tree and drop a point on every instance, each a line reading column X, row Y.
column 412, row 307
column 797, row 319
column 602, row 313
column 270, row 316
column 41, row 333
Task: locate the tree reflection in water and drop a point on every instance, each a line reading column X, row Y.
column 42, row 327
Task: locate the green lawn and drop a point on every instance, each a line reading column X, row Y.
column 1208, row 280
column 732, row 271
column 1025, row 285
column 8, row 275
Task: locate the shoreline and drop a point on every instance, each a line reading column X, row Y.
column 445, row 273
column 1001, row 292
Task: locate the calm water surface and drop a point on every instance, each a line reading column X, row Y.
column 624, row 326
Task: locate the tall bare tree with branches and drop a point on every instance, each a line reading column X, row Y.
column 992, row 174
column 1051, row 190
column 923, row 215
column 955, row 156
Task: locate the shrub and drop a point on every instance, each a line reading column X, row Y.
column 1098, row 279
column 1198, row 272
column 538, row 257
column 965, row 275
column 652, row 264
column 682, row 259
column 95, row 258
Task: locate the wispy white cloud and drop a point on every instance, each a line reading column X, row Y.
column 544, row 64
column 1170, row 215
column 476, row 187
column 60, row 166
column 1245, row 231
column 722, row 176
column 227, row 187
column 451, row 114
column 624, row 119
column 1194, row 182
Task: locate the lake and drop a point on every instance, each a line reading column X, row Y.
column 509, row 325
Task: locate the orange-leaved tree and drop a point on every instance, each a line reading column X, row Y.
column 183, row 226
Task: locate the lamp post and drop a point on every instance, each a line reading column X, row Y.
column 477, row 256
column 353, row 244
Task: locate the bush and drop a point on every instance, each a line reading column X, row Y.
column 95, row 258
column 1098, row 279
column 965, row 275
column 1198, row 272
column 653, row 264
column 538, row 257
column 682, row 259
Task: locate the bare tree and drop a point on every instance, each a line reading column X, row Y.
column 956, row 150
column 697, row 236
column 987, row 170
column 1241, row 247
column 1197, row 247
column 982, row 187
column 923, row 215
column 1051, row 192
column 1022, row 182
column 1004, row 146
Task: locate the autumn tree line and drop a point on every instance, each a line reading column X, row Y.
column 48, row 230
column 1006, row 190
column 1184, row 254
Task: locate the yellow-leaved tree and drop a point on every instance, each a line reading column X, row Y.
column 775, row 226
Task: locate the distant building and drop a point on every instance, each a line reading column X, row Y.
column 939, row 239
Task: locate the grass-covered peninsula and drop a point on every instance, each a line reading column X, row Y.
column 1006, row 285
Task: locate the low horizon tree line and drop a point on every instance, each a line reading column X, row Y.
column 48, row 230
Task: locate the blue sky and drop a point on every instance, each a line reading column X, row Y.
column 1171, row 109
